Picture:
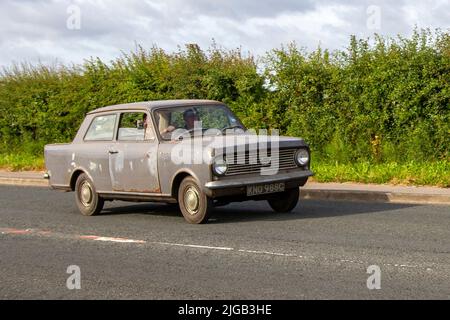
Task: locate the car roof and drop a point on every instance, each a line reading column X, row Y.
column 148, row 105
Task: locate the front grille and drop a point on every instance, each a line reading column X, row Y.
column 252, row 162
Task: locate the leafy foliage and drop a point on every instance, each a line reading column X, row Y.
column 389, row 101
column 381, row 100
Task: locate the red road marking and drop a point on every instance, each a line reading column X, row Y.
column 15, row 231
column 88, row 237
column 59, row 235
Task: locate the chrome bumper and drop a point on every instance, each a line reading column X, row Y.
column 237, row 182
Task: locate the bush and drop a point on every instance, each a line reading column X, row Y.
column 379, row 101
column 40, row 105
column 356, row 105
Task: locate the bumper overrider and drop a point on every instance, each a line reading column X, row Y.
column 238, row 185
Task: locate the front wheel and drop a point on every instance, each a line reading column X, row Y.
column 285, row 201
column 194, row 204
column 88, row 201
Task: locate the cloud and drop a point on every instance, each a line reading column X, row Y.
column 37, row 30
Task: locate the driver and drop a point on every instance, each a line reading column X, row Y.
column 189, row 117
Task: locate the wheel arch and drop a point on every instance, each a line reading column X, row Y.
column 75, row 174
column 176, row 181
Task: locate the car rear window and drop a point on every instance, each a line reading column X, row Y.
column 101, row 128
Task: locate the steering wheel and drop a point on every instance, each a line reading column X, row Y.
column 236, row 126
column 190, row 131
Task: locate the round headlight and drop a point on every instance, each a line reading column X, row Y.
column 220, row 166
column 302, row 157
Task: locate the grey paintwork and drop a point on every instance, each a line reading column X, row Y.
column 140, row 169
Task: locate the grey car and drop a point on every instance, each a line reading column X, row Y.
column 195, row 153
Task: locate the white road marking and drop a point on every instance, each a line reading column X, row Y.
column 120, row 240
column 270, row 253
column 194, row 246
column 46, row 233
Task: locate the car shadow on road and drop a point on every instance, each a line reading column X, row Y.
column 260, row 211
column 307, row 209
column 153, row 208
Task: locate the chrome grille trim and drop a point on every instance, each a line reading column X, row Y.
column 236, row 166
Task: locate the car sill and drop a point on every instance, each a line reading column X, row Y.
column 137, row 196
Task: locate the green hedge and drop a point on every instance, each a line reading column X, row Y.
column 380, row 100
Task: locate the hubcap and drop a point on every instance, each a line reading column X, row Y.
column 86, row 194
column 191, row 200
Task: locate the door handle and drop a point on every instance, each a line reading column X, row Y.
column 113, row 151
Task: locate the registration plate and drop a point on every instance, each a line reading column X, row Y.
column 258, row 189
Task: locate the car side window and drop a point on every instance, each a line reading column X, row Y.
column 135, row 126
column 101, row 128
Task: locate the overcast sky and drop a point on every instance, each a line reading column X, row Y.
column 72, row 30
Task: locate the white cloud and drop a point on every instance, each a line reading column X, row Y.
column 427, row 13
column 36, row 30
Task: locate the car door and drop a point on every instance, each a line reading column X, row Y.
column 133, row 158
column 93, row 154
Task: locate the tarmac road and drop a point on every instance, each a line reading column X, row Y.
column 320, row 251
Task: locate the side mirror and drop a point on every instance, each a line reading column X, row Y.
column 140, row 124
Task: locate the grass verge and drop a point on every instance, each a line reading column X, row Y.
column 413, row 173
column 21, row 162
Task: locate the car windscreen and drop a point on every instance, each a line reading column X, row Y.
column 204, row 117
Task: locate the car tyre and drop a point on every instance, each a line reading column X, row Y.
column 88, row 201
column 194, row 204
column 285, row 201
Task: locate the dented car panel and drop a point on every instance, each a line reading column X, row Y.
column 168, row 171
column 134, row 167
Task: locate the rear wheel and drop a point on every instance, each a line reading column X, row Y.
column 285, row 201
column 88, row 201
column 194, row 204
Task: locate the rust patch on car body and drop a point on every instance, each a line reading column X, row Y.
column 157, row 190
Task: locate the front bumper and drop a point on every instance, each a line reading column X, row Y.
column 238, row 185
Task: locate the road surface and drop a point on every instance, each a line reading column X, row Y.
column 322, row 250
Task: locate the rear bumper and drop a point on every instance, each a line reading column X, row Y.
column 238, row 185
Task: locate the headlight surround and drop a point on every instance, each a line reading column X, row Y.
column 219, row 166
column 302, row 157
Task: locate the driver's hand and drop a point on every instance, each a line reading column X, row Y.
column 168, row 129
